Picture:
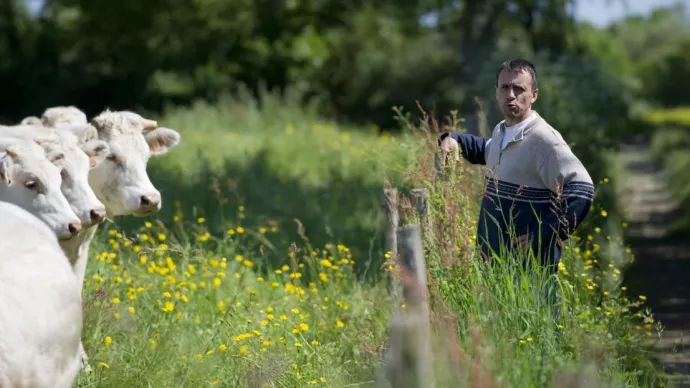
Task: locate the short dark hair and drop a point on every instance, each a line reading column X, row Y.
column 518, row 65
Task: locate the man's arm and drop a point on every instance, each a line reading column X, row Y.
column 564, row 174
column 473, row 148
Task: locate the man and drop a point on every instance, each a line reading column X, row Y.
column 537, row 191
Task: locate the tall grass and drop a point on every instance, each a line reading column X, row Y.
column 230, row 290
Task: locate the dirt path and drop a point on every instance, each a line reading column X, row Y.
column 662, row 267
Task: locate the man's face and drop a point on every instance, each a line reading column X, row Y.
column 515, row 95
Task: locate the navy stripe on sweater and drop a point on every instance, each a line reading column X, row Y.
column 510, row 191
column 582, row 190
column 565, row 215
column 574, row 206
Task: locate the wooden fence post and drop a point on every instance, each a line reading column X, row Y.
column 393, row 219
column 408, row 361
column 438, row 166
column 421, row 202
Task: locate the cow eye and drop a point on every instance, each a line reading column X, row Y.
column 31, row 185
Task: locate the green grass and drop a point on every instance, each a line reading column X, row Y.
column 281, row 163
column 224, row 288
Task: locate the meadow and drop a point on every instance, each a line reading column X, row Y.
column 264, row 269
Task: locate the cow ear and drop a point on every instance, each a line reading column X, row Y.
column 5, row 164
column 149, row 124
column 96, row 150
column 161, row 140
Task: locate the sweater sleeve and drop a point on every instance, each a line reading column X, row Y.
column 473, row 148
column 563, row 173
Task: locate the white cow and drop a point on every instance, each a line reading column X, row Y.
column 29, row 180
column 57, row 115
column 31, row 120
column 74, row 161
column 71, row 115
column 40, row 304
column 120, row 182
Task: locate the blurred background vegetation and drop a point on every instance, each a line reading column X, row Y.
column 277, row 101
column 355, row 58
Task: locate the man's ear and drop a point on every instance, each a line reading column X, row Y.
column 535, row 94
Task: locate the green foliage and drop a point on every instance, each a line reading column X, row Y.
column 668, row 76
column 357, row 59
column 613, row 53
column 679, row 116
column 648, row 38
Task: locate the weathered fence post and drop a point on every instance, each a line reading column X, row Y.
column 438, row 167
column 421, row 202
column 408, row 360
column 393, row 219
column 412, row 253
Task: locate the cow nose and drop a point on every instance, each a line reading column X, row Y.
column 150, row 201
column 74, row 227
column 97, row 215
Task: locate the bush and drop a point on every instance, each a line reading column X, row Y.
column 679, row 116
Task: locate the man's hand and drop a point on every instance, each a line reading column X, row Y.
column 449, row 148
